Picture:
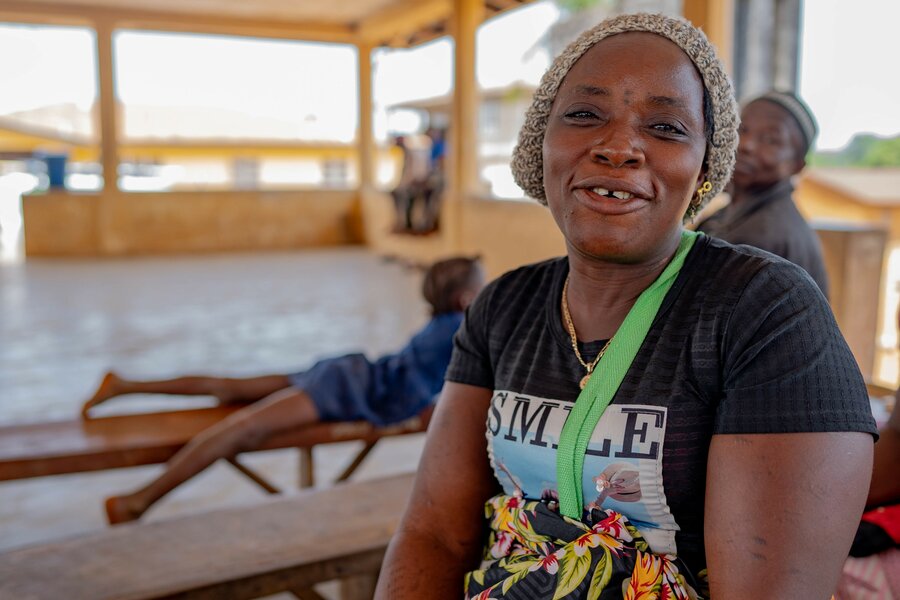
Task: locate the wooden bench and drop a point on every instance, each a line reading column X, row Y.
column 278, row 544
column 879, row 391
column 54, row 448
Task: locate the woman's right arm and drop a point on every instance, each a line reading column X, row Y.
column 440, row 537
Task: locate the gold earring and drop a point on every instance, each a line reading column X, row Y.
column 694, row 206
column 703, row 190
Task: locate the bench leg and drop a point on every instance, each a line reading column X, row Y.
column 358, row 587
column 356, row 462
column 253, row 476
column 307, row 475
column 307, row 594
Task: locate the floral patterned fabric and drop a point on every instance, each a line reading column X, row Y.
column 535, row 553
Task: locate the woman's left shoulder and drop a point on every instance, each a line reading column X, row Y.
column 739, row 269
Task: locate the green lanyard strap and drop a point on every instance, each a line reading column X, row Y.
column 605, row 381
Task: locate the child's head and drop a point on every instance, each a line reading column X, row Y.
column 451, row 284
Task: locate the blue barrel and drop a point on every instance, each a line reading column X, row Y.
column 56, row 169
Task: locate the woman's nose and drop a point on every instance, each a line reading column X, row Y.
column 617, row 150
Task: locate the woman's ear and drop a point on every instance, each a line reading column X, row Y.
column 701, row 177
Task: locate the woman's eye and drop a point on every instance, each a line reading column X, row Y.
column 667, row 128
column 580, row 115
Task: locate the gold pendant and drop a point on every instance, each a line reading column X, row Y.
column 584, row 381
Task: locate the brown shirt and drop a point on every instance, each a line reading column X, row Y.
column 770, row 221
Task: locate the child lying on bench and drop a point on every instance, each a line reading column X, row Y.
column 347, row 388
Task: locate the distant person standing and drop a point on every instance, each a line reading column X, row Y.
column 777, row 130
column 414, row 174
column 434, row 185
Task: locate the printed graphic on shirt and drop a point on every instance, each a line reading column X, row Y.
column 622, row 466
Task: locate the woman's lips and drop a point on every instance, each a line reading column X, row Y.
column 621, row 204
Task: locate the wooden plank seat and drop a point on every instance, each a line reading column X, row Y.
column 54, row 448
column 879, row 391
column 285, row 543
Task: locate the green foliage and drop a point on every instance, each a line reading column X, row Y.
column 884, row 154
column 864, row 150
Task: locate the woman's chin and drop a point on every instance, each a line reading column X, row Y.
column 620, row 245
column 613, row 249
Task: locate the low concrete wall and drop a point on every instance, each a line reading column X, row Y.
column 510, row 234
column 856, row 263
column 507, row 234
column 58, row 224
column 149, row 223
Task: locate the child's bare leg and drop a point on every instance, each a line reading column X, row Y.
column 241, row 431
column 225, row 389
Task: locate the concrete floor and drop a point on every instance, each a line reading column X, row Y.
column 63, row 323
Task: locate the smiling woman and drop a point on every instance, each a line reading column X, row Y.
column 690, row 464
column 624, row 148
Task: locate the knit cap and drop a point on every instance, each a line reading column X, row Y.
column 721, row 147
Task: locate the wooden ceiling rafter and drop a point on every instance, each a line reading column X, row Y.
column 427, row 33
column 36, row 11
column 404, row 23
column 498, row 6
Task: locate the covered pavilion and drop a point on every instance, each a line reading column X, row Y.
column 109, row 222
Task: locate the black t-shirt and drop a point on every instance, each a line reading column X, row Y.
column 744, row 343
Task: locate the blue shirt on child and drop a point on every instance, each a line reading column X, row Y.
column 390, row 389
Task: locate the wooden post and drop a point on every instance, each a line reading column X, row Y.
column 109, row 142
column 108, row 221
column 307, row 475
column 467, row 16
column 366, row 138
column 716, row 19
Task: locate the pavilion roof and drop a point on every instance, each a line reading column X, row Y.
column 396, row 23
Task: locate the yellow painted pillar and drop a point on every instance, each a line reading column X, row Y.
column 716, row 19
column 366, row 140
column 109, row 143
column 109, row 219
column 467, row 16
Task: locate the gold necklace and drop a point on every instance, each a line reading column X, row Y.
column 571, row 328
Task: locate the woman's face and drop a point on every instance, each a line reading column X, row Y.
column 624, row 147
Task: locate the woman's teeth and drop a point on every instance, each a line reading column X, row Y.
column 613, row 194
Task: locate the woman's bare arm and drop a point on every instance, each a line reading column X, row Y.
column 441, row 535
column 781, row 512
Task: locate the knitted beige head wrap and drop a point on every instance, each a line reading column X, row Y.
column 721, row 146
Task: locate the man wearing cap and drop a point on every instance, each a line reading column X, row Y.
column 777, row 130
